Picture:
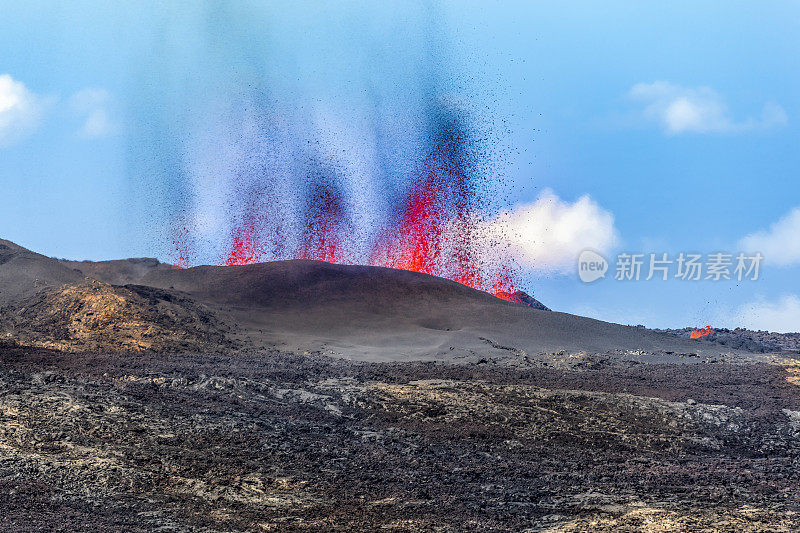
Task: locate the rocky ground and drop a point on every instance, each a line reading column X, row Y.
column 747, row 339
column 266, row 441
column 93, row 315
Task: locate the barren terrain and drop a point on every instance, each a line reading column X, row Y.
column 302, row 396
column 272, row 441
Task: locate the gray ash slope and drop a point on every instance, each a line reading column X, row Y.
column 24, row 273
column 117, row 271
column 381, row 314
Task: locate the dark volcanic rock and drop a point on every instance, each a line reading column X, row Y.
column 266, row 441
column 97, row 316
column 745, row 339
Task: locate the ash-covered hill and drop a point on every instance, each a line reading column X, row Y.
column 383, row 314
column 24, row 273
column 117, row 271
column 45, row 302
column 93, row 315
column 357, row 312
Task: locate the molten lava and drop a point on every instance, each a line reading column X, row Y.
column 503, row 284
column 437, row 232
column 433, row 228
column 245, row 249
column 697, row 333
column 418, row 247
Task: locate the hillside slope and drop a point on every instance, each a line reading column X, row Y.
column 24, row 273
column 383, row 314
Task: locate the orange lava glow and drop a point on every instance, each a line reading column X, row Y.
column 418, row 245
column 431, row 229
column 245, row 249
column 697, row 333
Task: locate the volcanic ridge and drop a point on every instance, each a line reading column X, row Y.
column 356, row 312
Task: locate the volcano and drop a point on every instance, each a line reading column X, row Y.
column 356, row 398
column 305, row 306
column 383, row 314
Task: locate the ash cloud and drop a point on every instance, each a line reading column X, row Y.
column 240, row 106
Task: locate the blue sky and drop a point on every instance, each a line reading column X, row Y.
column 678, row 125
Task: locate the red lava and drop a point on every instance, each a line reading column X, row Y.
column 697, row 333
column 433, row 229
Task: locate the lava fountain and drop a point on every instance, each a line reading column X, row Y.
column 373, row 150
column 433, row 225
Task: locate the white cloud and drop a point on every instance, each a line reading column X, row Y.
column 93, row 106
column 549, row 234
column 21, row 110
column 782, row 316
column 697, row 110
column 780, row 244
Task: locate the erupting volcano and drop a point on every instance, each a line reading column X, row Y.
column 431, row 222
